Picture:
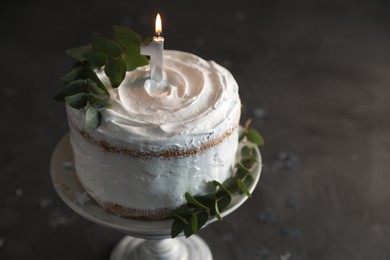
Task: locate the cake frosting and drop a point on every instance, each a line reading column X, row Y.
column 159, row 140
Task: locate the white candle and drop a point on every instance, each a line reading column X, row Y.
column 155, row 51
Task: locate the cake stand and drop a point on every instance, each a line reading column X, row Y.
column 144, row 239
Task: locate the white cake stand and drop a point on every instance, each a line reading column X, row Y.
column 145, row 239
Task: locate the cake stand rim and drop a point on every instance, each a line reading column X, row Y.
column 66, row 183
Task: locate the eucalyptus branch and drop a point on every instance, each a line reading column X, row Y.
column 194, row 214
column 83, row 88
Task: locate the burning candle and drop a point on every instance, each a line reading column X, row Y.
column 155, row 51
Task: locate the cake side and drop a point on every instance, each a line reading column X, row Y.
column 149, row 187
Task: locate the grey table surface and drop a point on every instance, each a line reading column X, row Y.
column 313, row 76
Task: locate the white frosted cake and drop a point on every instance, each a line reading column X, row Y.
column 159, row 141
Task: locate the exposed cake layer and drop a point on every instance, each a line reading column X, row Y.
column 159, row 141
column 149, row 187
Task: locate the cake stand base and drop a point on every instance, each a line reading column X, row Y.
column 192, row 248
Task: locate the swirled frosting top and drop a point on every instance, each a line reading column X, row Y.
column 196, row 101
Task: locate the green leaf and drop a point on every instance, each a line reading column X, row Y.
column 194, row 223
column 183, row 212
column 95, row 57
column 243, row 188
column 245, row 151
column 93, row 87
column 181, row 219
column 247, row 163
column 78, row 100
column 177, row 228
column 92, row 118
column 231, row 184
column 75, row 87
column 98, row 101
column 254, row 156
column 187, row 230
column 203, row 216
column 106, row 46
column 115, row 71
column 105, row 104
column 207, row 200
column 133, row 58
column 125, row 36
column 224, row 201
column 78, row 52
column 216, row 211
column 190, row 199
column 218, row 184
column 94, row 78
column 248, row 180
column 242, row 168
column 79, row 71
column 92, row 99
column 255, row 137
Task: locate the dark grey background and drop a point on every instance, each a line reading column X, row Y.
column 313, row 75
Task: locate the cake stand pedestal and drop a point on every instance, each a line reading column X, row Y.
column 144, row 240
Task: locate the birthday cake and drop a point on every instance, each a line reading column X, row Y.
column 159, row 140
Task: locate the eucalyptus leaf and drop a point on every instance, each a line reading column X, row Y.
column 248, row 180
column 94, row 78
column 218, row 184
column 248, row 163
column 243, row 188
column 203, row 216
column 133, row 58
column 194, row 223
column 115, row 71
column 78, row 52
column 102, row 104
column 190, row 199
column 126, row 37
column 106, row 105
column 187, row 230
column 231, row 184
column 92, row 118
column 183, row 212
column 207, row 200
column 78, row 100
column 93, row 99
column 255, row 137
column 79, row 71
column 109, row 47
column 74, row 87
column 177, row 228
column 224, row 201
column 216, row 211
column 95, row 57
column 181, row 219
column 245, row 152
column 241, row 167
column 93, row 87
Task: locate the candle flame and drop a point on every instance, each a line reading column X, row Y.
column 158, row 25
